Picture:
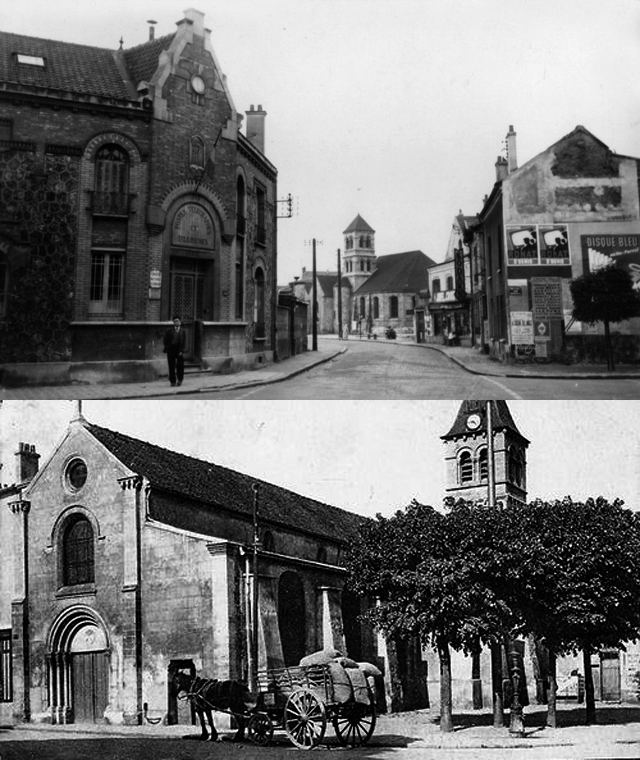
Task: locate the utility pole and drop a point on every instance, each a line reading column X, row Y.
column 253, row 673
column 339, row 297
column 314, row 344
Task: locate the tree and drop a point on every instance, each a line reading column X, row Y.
column 606, row 295
column 426, row 586
column 579, row 581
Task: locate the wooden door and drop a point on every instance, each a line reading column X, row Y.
column 610, row 676
column 90, row 684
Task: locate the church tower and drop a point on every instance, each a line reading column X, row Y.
column 468, row 457
column 359, row 252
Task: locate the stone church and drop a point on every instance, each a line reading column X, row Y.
column 376, row 292
column 124, row 561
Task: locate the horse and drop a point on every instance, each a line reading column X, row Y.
column 209, row 694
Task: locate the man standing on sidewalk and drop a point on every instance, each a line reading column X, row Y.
column 174, row 344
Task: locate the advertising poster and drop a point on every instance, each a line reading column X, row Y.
column 554, row 244
column 604, row 250
column 521, row 327
column 522, row 245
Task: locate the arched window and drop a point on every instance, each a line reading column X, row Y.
column 393, row 307
column 268, row 541
column 362, row 241
column 111, row 181
column 240, row 231
column 435, row 287
column 77, row 552
column 483, row 463
column 260, row 304
column 376, row 307
column 362, row 306
column 465, row 468
column 368, row 265
column 449, row 283
column 368, row 242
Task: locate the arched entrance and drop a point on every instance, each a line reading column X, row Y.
column 78, row 667
column 192, row 244
column 292, row 618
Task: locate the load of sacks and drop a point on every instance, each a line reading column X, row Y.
column 351, row 679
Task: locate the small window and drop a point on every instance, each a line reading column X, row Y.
column 449, row 283
column 76, row 474
column 6, row 684
column 77, row 552
column 435, row 288
column 393, row 307
column 30, row 60
column 376, row 308
column 484, row 465
column 106, row 287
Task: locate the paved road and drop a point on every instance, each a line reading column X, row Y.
column 382, row 371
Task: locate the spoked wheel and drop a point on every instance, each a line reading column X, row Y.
column 260, row 729
column 305, row 719
column 354, row 723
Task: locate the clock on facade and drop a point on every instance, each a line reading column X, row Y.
column 473, row 421
column 198, row 84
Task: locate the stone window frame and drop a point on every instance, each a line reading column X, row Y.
column 465, row 467
column 393, row 307
column 56, row 546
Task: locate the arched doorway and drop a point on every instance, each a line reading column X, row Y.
column 292, row 618
column 191, row 270
column 78, row 667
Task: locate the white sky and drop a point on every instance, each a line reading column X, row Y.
column 394, row 109
column 364, row 456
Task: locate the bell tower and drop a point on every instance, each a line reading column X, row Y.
column 359, row 252
column 468, row 455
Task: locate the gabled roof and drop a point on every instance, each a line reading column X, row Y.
column 398, row 273
column 214, row 485
column 69, row 67
column 326, row 281
column 142, row 60
column 501, row 418
column 358, row 225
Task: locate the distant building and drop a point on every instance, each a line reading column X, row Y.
column 377, row 291
column 129, row 194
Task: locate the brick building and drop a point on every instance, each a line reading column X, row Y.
column 124, row 561
column 128, row 193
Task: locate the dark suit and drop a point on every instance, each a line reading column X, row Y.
column 174, row 344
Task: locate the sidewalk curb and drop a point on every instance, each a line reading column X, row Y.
column 528, row 376
column 232, row 386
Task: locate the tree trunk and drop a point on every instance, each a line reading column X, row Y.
column 607, row 333
column 496, row 685
column 589, row 694
column 553, row 689
column 446, row 709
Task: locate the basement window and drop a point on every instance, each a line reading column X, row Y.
column 30, row 60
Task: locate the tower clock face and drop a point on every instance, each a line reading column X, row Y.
column 473, row 421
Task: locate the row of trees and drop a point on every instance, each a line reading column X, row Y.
column 565, row 572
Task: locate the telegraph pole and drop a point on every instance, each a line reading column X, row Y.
column 253, row 673
column 314, row 344
column 339, row 297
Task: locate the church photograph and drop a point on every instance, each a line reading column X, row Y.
column 143, row 539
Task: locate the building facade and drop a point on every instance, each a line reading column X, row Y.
column 569, row 210
column 124, row 562
column 129, row 194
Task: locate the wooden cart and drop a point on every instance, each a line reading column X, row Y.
column 302, row 700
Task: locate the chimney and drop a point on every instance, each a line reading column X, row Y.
column 152, row 31
column 511, row 150
column 196, row 20
column 255, row 127
column 26, row 462
column 502, row 168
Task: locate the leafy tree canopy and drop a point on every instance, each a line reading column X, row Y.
column 606, row 295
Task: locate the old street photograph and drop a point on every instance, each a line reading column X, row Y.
column 420, row 579
column 320, row 199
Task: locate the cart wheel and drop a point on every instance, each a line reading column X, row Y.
column 260, row 729
column 354, row 723
column 305, row 719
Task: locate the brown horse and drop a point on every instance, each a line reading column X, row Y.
column 209, row 694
